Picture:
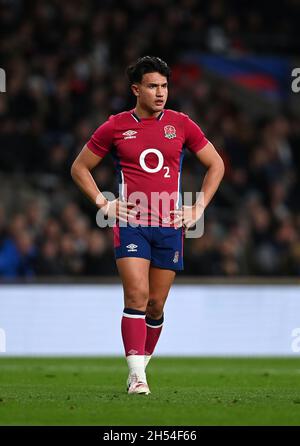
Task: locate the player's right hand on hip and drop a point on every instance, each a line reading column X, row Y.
column 122, row 210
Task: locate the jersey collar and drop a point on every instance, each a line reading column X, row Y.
column 136, row 118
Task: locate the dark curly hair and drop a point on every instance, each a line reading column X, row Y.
column 147, row 64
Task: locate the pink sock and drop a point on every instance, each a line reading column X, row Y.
column 133, row 328
column 154, row 328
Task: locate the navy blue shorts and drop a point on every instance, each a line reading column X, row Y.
column 163, row 246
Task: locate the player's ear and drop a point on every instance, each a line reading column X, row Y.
column 135, row 89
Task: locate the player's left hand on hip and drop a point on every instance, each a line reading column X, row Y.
column 191, row 214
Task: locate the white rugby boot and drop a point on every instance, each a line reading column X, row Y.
column 136, row 386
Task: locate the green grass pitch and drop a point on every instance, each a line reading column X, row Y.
column 185, row 391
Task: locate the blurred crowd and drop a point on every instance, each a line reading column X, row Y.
column 65, row 64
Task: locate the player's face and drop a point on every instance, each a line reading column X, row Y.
column 152, row 92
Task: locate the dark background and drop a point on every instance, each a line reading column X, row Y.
column 65, row 63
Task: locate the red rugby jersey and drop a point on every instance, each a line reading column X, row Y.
column 148, row 155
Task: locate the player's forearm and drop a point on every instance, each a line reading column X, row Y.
column 86, row 183
column 210, row 184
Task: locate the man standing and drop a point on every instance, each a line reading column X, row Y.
column 147, row 144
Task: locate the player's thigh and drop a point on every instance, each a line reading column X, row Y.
column 134, row 274
column 160, row 282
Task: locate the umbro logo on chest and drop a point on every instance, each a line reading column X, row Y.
column 130, row 134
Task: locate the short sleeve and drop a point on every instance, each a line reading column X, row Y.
column 195, row 139
column 102, row 139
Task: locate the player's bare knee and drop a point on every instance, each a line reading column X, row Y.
column 136, row 299
column 155, row 309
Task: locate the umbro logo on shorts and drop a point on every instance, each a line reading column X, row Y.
column 130, row 134
column 132, row 247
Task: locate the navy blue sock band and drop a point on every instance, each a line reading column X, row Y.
column 154, row 322
column 132, row 311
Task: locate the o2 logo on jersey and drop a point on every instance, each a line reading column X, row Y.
column 160, row 163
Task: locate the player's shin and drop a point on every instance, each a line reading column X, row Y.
column 154, row 328
column 134, row 336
